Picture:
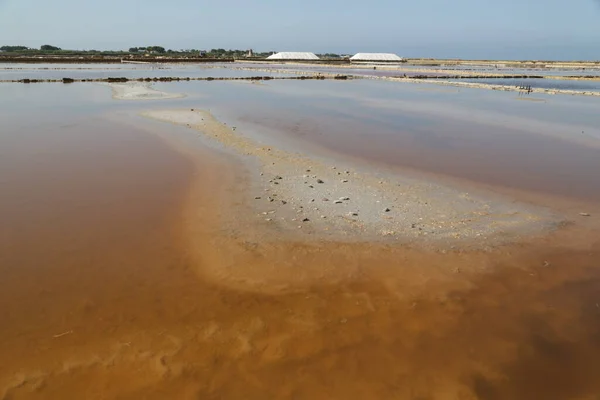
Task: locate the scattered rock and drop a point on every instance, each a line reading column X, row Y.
column 278, row 178
column 322, row 216
column 312, row 200
column 320, row 181
column 344, row 180
column 283, row 202
column 344, row 198
column 387, row 210
column 325, row 199
column 257, row 198
column 305, row 220
column 338, row 202
column 311, row 186
column 353, row 214
column 583, row 214
column 268, row 220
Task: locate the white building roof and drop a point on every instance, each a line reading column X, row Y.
column 375, row 57
column 293, row 55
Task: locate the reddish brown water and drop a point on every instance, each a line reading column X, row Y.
column 102, row 299
column 116, row 283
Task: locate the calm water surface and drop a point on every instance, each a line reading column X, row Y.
column 100, row 295
column 548, row 144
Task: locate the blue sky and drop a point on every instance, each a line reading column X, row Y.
column 517, row 29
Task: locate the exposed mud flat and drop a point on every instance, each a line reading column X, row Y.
column 312, row 200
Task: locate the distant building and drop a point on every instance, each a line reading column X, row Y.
column 292, row 55
column 376, row 57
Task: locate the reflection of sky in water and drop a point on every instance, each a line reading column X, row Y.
column 405, row 68
column 398, row 105
column 542, row 83
column 131, row 71
column 482, row 135
column 477, row 134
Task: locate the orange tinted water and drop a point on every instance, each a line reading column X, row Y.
column 104, row 294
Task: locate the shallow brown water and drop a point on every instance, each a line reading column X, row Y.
column 116, row 282
column 102, row 298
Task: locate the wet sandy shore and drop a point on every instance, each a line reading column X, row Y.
column 310, row 199
column 124, row 277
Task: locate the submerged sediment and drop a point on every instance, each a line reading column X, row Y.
column 303, row 197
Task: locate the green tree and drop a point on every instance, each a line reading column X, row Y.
column 156, row 49
column 13, row 48
column 47, row 47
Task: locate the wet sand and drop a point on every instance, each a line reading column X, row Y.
column 299, row 196
column 120, row 281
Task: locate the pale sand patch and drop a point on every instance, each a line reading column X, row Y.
column 308, row 198
column 140, row 91
column 475, row 85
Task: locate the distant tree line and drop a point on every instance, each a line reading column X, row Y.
column 149, row 49
column 13, row 48
column 140, row 51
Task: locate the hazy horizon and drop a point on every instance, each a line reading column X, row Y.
column 509, row 29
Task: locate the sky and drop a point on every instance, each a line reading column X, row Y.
column 479, row 29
